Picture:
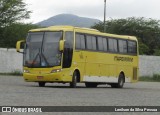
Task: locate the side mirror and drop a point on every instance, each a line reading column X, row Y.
column 18, row 45
column 61, row 45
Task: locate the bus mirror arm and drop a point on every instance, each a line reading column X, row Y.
column 61, row 45
column 18, row 46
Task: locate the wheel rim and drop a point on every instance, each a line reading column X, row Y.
column 74, row 81
column 121, row 82
column 75, row 78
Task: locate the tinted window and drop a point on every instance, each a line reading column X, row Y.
column 100, row 43
column 83, row 44
column 94, row 44
column 42, row 49
column 35, row 37
column 50, row 51
column 68, row 50
column 80, row 41
column 132, row 47
column 112, row 45
column 122, row 46
column 69, row 40
column 89, row 42
column 104, row 44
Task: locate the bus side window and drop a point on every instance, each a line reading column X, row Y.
column 100, row 43
column 89, row 42
column 104, row 40
column 83, row 44
column 132, row 47
column 94, row 44
column 80, row 41
column 122, row 46
column 68, row 50
column 112, row 45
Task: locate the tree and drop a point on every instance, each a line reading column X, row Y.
column 146, row 30
column 12, row 11
column 13, row 33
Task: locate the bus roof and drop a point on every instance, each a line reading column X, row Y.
column 83, row 30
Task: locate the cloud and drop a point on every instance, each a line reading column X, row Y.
column 43, row 9
column 136, row 8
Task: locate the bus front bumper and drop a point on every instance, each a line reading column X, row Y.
column 51, row 77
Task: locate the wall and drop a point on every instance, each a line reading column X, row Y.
column 149, row 65
column 11, row 61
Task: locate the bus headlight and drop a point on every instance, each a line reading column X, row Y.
column 56, row 70
column 26, row 71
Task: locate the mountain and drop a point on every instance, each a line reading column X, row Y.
column 68, row 19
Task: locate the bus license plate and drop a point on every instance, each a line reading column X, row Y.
column 39, row 77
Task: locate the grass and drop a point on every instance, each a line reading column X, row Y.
column 154, row 78
column 14, row 73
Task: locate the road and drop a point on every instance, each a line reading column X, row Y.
column 15, row 92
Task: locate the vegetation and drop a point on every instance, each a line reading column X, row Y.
column 11, row 30
column 11, row 34
column 154, row 78
column 146, row 30
column 11, row 12
column 14, row 73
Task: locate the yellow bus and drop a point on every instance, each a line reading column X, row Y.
column 67, row 54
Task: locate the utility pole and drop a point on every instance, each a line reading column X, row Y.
column 104, row 15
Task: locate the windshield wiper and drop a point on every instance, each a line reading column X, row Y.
column 45, row 59
column 35, row 58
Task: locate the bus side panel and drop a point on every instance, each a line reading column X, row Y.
column 103, row 66
column 100, row 67
column 79, row 62
column 128, row 67
column 92, row 65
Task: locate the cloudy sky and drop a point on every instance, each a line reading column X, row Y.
column 43, row 9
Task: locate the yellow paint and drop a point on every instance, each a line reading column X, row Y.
column 89, row 63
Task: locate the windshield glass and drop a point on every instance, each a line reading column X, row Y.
column 42, row 49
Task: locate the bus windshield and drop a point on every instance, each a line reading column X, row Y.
column 42, row 49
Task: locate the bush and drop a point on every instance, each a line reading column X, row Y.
column 15, row 73
column 154, row 78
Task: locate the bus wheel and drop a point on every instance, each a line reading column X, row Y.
column 120, row 82
column 41, row 84
column 73, row 84
column 91, row 85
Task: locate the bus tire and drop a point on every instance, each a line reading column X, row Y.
column 91, row 85
column 120, row 82
column 73, row 84
column 41, row 84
